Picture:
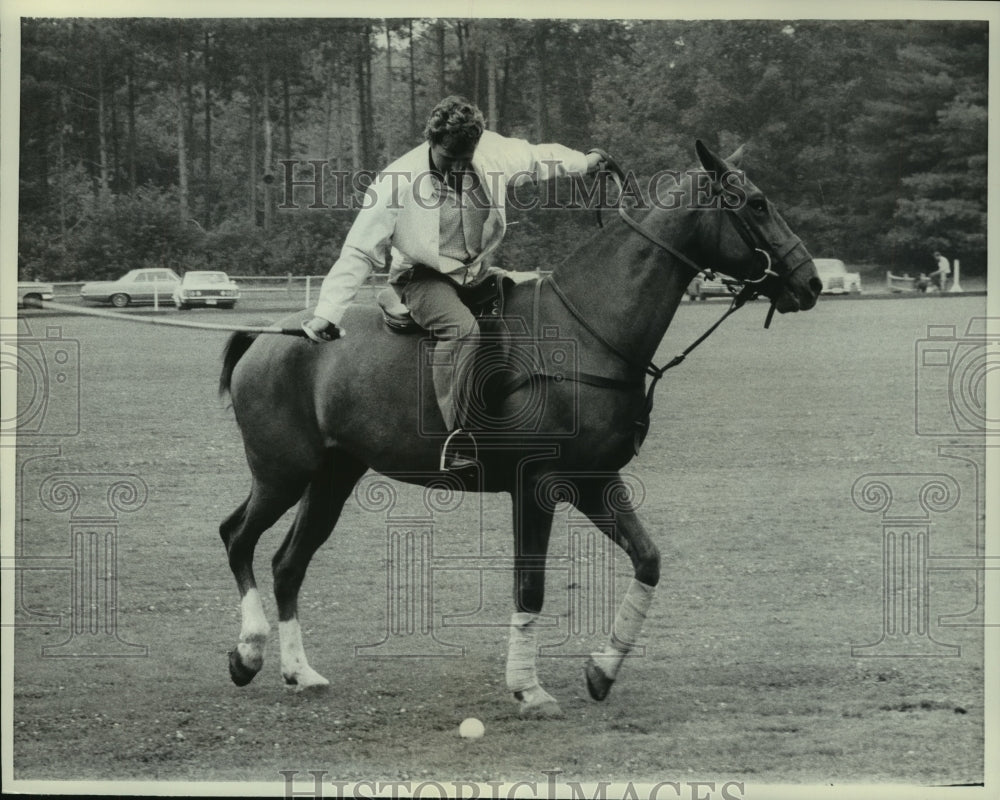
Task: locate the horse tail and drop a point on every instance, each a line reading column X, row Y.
column 237, row 345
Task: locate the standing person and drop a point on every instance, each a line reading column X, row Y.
column 440, row 210
column 940, row 275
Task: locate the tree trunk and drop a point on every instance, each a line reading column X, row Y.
column 541, row 85
column 504, row 85
column 102, row 138
column 286, row 101
column 363, row 96
column 265, row 113
column 61, row 161
column 414, row 131
column 442, row 86
column 492, row 122
column 369, row 106
column 180, row 98
column 252, row 160
column 356, row 116
column 130, row 146
column 387, row 100
column 207, row 172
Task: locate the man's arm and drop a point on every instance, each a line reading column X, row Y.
column 523, row 161
column 365, row 248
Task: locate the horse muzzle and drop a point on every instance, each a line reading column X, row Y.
column 798, row 287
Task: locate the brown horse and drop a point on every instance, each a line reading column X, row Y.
column 315, row 417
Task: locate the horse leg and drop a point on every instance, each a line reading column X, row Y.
column 532, row 525
column 318, row 512
column 240, row 533
column 608, row 507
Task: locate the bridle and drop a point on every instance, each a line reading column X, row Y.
column 750, row 236
column 749, row 289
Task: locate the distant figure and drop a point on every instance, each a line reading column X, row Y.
column 940, row 275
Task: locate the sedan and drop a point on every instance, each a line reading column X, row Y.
column 137, row 286
column 835, row 277
column 202, row 288
column 29, row 292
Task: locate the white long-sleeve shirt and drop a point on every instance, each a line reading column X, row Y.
column 402, row 214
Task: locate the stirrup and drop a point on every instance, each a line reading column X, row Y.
column 443, row 463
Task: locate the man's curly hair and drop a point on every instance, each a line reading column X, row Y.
column 455, row 124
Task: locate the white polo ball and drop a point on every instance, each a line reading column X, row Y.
column 471, row 728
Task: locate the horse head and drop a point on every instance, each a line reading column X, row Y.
column 746, row 238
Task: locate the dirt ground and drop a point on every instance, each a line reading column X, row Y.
column 752, row 668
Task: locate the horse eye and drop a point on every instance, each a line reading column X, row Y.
column 758, row 204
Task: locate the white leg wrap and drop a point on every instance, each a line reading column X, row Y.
column 254, row 630
column 295, row 668
column 521, row 651
column 625, row 632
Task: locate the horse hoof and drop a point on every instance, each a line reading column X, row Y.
column 598, row 684
column 538, row 704
column 238, row 671
column 303, row 681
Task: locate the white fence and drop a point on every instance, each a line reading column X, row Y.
column 291, row 290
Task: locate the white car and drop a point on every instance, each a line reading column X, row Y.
column 835, row 277
column 149, row 285
column 204, row 288
column 702, row 288
column 28, row 292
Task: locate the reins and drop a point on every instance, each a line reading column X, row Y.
column 172, row 323
column 749, row 290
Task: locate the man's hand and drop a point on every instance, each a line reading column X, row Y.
column 321, row 330
column 595, row 162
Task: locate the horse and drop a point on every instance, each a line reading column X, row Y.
column 315, row 417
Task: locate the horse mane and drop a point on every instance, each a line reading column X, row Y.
column 237, row 345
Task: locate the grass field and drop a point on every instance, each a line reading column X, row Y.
column 771, row 574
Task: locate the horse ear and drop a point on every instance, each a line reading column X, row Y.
column 736, row 158
column 709, row 160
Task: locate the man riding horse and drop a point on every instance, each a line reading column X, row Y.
column 440, row 210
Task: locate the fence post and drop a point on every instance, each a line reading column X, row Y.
column 308, row 290
column 955, row 286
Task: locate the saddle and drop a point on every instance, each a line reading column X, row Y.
column 491, row 375
column 485, row 299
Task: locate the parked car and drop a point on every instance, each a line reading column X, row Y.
column 201, row 288
column 133, row 288
column 835, row 277
column 701, row 288
column 33, row 290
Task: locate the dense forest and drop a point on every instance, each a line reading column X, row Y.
column 163, row 141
